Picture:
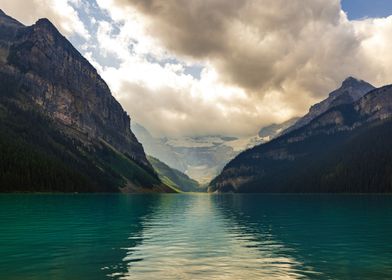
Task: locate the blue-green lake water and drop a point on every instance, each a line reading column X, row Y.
column 195, row 237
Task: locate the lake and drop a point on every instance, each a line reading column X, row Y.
column 195, row 236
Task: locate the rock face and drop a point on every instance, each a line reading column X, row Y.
column 41, row 71
column 351, row 90
column 345, row 149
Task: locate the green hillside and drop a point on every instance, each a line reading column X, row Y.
column 173, row 177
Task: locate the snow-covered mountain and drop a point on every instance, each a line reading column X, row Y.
column 202, row 157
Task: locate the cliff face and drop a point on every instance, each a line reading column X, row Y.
column 345, row 149
column 41, row 71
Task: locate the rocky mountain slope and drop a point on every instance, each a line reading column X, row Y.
column 82, row 128
column 345, row 149
column 350, row 91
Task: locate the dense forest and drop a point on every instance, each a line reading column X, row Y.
column 35, row 156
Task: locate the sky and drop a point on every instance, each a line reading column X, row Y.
column 359, row 9
column 196, row 67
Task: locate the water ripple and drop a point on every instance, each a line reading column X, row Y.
column 195, row 237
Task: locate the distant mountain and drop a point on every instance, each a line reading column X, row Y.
column 60, row 127
column 175, row 178
column 345, row 149
column 350, row 91
column 157, row 148
column 266, row 133
column 202, row 157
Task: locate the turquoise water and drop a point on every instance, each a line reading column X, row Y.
column 195, row 237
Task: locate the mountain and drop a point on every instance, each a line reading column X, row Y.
column 199, row 157
column 60, row 127
column 202, row 157
column 350, row 91
column 272, row 131
column 265, row 134
column 175, row 178
column 345, row 149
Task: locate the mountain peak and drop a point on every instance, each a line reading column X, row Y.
column 45, row 23
column 353, row 87
column 350, row 91
column 354, row 82
column 44, row 27
column 351, row 79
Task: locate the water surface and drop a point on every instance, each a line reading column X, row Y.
column 195, row 237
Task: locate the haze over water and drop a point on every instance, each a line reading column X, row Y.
column 195, row 237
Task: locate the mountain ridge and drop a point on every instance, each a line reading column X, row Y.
column 350, row 91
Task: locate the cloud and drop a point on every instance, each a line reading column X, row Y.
column 160, row 94
column 375, row 48
column 278, row 56
column 60, row 12
column 175, row 103
column 253, row 44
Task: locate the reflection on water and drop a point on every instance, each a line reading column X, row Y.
column 195, row 237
